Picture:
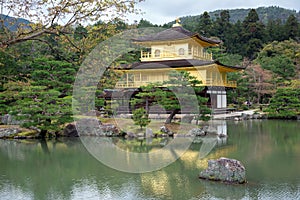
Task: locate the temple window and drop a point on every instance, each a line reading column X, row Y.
column 157, row 53
column 181, row 51
column 144, row 77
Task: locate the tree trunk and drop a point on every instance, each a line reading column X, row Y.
column 44, row 131
column 171, row 116
column 147, row 105
column 43, row 134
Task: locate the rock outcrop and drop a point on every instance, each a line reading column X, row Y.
column 8, row 132
column 91, row 127
column 197, row 132
column 225, row 170
column 166, row 132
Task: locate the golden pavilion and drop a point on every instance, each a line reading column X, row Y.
column 179, row 49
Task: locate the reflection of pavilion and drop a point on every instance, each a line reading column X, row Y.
column 218, row 127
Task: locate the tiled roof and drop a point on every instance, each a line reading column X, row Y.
column 174, row 33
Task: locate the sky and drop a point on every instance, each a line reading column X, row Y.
column 164, row 11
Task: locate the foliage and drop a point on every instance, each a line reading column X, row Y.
column 281, row 57
column 44, row 101
column 144, row 23
column 46, row 14
column 275, row 30
column 183, row 94
column 292, row 27
column 252, row 34
column 246, row 34
column 179, row 93
column 140, row 117
column 281, row 65
column 228, row 58
column 285, row 103
column 9, row 69
column 42, row 108
column 205, row 25
column 147, row 96
column 289, row 48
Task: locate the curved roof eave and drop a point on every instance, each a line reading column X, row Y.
column 174, row 33
column 228, row 66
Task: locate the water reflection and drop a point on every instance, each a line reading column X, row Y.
column 269, row 150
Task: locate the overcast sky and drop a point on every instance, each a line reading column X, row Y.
column 163, row 11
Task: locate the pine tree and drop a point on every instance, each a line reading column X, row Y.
column 45, row 101
column 285, row 103
column 183, row 95
column 205, row 25
column 140, row 117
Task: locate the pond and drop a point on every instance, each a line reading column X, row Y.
column 64, row 169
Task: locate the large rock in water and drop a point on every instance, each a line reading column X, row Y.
column 225, row 170
column 70, row 131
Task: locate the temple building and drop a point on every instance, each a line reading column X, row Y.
column 179, row 49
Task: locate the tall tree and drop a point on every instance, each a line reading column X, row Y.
column 222, row 26
column 292, row 28
column 205, row 25
column 233, row 42
column 252, row 34
column 275, row 30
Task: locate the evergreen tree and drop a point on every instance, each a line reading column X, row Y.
column 285, row 103
column 252, row 35
column 144, row 23
column 282, row 58
column 45, row 101
column 275, row 31
column 222, row 27
column 147, row 96
column 233, row 41
column 280, row 65
column 182, row 87
column 140, row 117
column 205, row 25
column 292, row 28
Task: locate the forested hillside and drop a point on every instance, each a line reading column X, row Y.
column 265, row 14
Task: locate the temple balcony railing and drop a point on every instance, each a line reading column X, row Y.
column 168, row 55
column 137, row 84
